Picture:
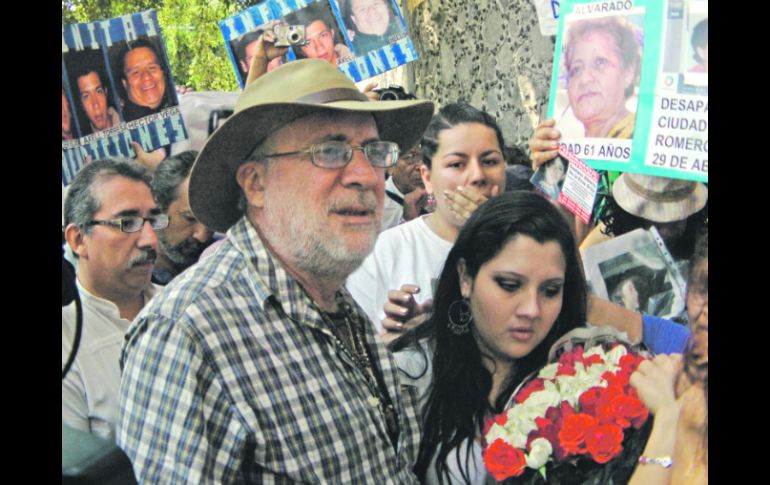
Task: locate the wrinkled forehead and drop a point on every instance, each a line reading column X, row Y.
column 138, row 55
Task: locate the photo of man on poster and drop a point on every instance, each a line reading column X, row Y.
column 93, row 103
column 601, row 61
column 371, row 24
column 144, row 79
column 245, row 47
column 67, row 123
column 323, row 40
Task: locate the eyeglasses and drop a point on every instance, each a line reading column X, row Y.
column 337, row 154
column 134, row 223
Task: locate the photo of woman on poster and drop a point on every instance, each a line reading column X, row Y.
column 601, row 59
column 550, row 177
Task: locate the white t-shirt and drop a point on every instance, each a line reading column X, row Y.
column 410, row 253
column 89, row 392
column 392, row 211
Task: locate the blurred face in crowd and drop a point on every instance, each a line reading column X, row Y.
column 516, row 297
column 94, row 98
column 630, row 295
column 597, row 80
column 185, row 238
column 250, row 50
column 144, row 80
column 406, row 172
column 66, row 117
column 320, row 42
column 324, row 220
column 119, row 264
column 698, row 296
column 468, row 154
column 370, row 16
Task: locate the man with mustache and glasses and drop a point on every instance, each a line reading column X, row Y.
column 256, row 361
column 183, row 241
column 110, row 221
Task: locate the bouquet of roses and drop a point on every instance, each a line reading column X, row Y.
column 574, row 417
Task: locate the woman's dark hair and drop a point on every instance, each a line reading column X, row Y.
column 450, row 116
column 618, row 221
column 457, row 404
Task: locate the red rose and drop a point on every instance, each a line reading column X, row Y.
column 566, row 370
column 572, row 433
column 503, row 460
column 574, row 355
column 534, row 385
column 604, row 442
column 588, row 399
column 593, row 359
column 632, row 409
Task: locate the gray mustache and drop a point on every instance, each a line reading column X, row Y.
column 148, row 256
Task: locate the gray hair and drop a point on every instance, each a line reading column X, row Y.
column 81, row 204
column 169, row 175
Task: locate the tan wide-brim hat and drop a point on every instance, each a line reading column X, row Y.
column 659, row 199
column 292, row 91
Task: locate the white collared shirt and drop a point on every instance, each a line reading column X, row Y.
column 89, row 399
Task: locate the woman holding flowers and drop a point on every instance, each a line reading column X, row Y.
column 510, row 287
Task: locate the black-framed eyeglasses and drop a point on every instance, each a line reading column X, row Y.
column 134, row 223
column 337, row 154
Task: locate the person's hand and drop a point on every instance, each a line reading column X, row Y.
column 402, row 312
column 369, row 91
column 466, row 200
column 265, row 47
column 149, row 160
column 414, row 202
column 544, row 144
column 265, row 52
column 655, row 380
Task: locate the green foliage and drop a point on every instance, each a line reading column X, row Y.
column 194, row 43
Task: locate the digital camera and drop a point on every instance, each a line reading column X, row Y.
column 393, row 93
column 289, row 35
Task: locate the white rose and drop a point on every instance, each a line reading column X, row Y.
column 614, row 355
column 598, row 350
column 539, row 454
column 497, row 431
column 539, row 402
column 549, row 371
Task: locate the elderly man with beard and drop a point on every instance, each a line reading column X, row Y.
column 110, row 222
column 256, row 365
column 183, row 241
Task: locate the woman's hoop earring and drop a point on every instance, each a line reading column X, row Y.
column 462, row 323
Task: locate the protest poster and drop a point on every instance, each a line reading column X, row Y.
column 362, row 38
column 547, row 16
column 116, row 88
column 628, row 90
column 635, row 270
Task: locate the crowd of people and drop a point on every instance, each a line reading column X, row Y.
column 346, row 328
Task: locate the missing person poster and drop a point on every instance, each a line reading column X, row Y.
column 116, row 88
column 362, row 38
column 629, row 89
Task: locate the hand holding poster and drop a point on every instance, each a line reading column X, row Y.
column 363, row 38
column 116, row 88
column 618, row 100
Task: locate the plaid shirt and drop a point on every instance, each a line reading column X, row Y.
column 230, row 376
